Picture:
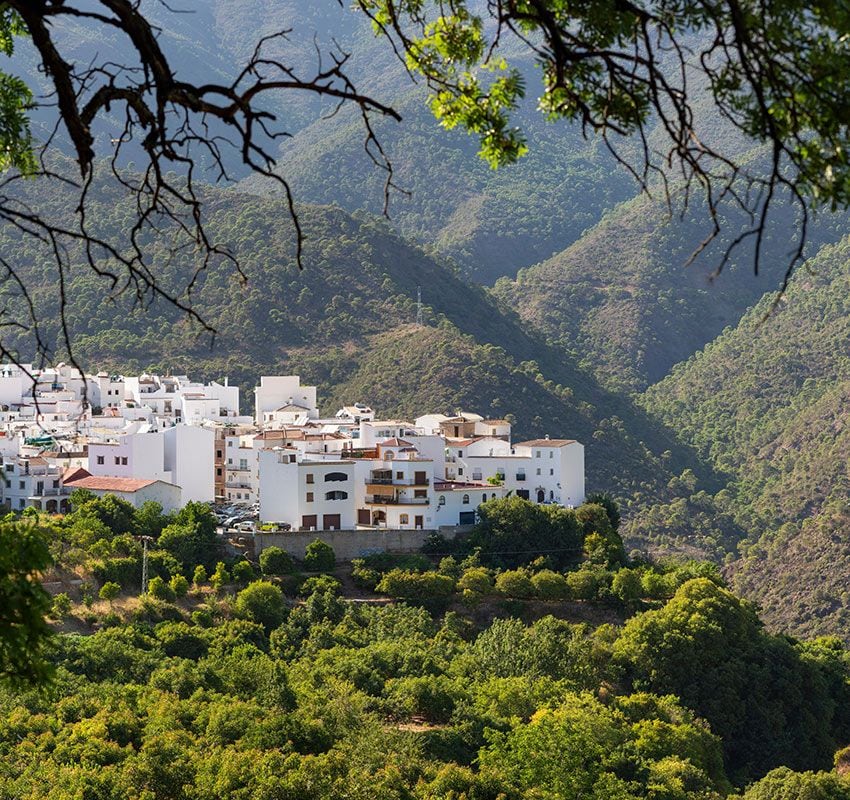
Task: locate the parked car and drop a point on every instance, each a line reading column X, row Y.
column 245, row 526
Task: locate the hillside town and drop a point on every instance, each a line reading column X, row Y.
column 172, row 440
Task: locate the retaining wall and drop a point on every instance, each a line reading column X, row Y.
column 352, row 544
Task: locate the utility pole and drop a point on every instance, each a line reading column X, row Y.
column 145, row 540
column 419, row 305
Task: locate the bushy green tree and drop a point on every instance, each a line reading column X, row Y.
column 515, row 583
column 550, row 585
column 24, row 633
column 319, row 557
column 220, row 576
column 242, row 572
column 109, row 591
column 160, row 589
column 262, row 602
column 275, row 561
column 179, row 585
column 769, row 705
column 199, row 576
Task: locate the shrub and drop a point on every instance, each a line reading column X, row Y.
column 61, row 606
column 199, row 577
column 476, row 579
column 179, row 585
column 583, row 584
column 242, row 572
column 515, row 583
column 159, row 589
column 320, row 583
column 220, row 577
column 274, row 561
column 262, row 602
column 420, row 586
column 109, row 591
column 550, row 585
column 319, row 557
column 364, row 577
column 627, row 585
column 203, row 618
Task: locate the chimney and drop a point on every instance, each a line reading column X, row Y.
column 547, row 437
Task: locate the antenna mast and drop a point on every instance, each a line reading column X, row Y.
column 419, row 305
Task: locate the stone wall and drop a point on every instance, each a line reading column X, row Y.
column 351, row 544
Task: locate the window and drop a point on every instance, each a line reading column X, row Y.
column 420, row 493
column 551, row 471
column 309, row 477
column 403, row 519
column 55, row 484
column 117, row 460
column 123, row 461
column 22, row 485
column 538, row 454
column 399, row 476
column 10, row 467
column 460, row 470
column 229, row 460
column 243, row 463
column 336, row 495
column 442, row 500
column 21, row 503
column 309, row 497
column 484, row 497
column 460, row 453
column 551, row 454
column 218, row 472
column 100, row 459
column 476, row 475
column 520, row 476
column 336, row 476
column 230, row 444
column 538, row 470
column 465, row 500
column 219, row 454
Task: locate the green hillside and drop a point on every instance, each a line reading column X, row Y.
column 622, row 301
column 490, row 222
column 767, row 403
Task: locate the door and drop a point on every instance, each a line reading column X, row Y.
column 541, row 496
column 331, row 522
column 419, row 522
column 309, row 521
column 523, row 493
column 467, row 518
column 363, row 516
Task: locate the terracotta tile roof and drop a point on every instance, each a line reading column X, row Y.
column 106, row 484
column 495, row 422
column 546, row 443
column 461, row 442
column 74, row 474
column 395, row 442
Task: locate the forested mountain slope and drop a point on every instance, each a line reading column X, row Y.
column 768, row 403
column 344, row 321
column 623, row 300
column 490, row 222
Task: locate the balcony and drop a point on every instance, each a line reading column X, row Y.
column 387, row 500
column 398, row 482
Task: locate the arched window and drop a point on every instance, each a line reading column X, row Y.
column 551, row 494
column 442, row 500
column 484, row 497
column 465, row 500
column 493, row 495
column 336, row 496
column 336, row 476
